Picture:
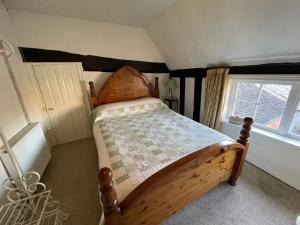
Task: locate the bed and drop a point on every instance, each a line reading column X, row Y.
column 154, row 161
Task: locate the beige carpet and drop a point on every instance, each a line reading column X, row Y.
column 258, row 199
column 71, row 175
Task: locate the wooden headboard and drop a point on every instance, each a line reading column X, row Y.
column 125, row 84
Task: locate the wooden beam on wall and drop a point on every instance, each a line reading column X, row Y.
column 194, row 72
column 271, row 68
column 263, row 69
column 198, row 74
column 197, row 98
column 182, row 95
column 90, row 62
column 96, row 63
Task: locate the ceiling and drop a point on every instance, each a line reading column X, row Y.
column 127, row 12
column 206, row 33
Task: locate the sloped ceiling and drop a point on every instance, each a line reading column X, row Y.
column 126, row 12
column 199, row 33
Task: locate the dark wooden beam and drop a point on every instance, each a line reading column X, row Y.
column 198, row 74
column 194, row 72
column 43, row 55
column 182, row 95
column 197, row 98
column 90, row 62
column 264, row 69
column 96, row 63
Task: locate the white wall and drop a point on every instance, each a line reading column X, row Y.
column 197, row 33
column 189, row 97
column 12, row 119
column 275, row 156
column 84, row 37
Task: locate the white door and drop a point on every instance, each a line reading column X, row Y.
column 61, row 91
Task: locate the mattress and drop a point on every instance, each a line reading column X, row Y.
column 140, row 137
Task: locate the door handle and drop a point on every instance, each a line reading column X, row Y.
column 50, row 109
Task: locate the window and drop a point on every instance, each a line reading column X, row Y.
column 273, row 104
column 295, row 127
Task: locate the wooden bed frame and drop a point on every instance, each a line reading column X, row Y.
column 176, row 185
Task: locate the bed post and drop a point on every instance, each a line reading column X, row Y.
column 156, row 88
column 112, row 212
column 93, row 94
column 245, row 132
column 241, row 155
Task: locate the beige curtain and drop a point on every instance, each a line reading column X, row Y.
column 215, row 90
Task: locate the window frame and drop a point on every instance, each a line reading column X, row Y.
column 291, row 105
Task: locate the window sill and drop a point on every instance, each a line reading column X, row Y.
column 269, row 134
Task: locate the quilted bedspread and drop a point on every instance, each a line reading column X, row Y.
column 142, row 138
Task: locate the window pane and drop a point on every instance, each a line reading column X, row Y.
column 265, row 103
column 298, row 107
column 247, row 94
column 271, row 104
column 295, row 127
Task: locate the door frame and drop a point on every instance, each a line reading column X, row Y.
column 46, row 123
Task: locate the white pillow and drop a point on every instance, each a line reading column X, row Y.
column 126, row 107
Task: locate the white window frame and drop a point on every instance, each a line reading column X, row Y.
column 291, row 106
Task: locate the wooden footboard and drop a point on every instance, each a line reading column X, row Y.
column 178, row 184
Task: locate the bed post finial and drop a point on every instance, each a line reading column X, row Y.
column 156, row 88
column 93, row 94
column 241, row 155
column 245, row 132
column 112, row 212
